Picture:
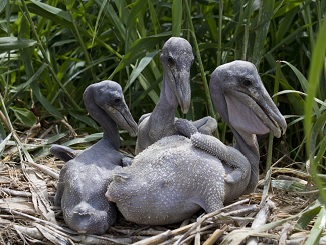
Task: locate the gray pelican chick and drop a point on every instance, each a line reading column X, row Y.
column 176, row 59
column 176, row 176
column 83, row 180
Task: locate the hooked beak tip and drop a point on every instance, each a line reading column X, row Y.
column 284, row 129
column 185, row 108
column 283, row 126
column 184, row 102
column 281, row 129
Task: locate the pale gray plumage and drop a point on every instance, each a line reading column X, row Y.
column 172, row 179
column 64, row 153
column 83, row 180
column 227, row 154
column 242, row 101
column 176, row 59
column 167, row 183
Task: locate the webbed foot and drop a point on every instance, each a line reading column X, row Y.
column 206, row 125
column 185, row 127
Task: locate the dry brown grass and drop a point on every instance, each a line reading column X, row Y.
column 28, row 216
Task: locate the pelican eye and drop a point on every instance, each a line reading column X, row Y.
column 246, row 82
column 117, row 100
column 171, row 61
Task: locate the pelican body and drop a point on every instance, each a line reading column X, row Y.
column 176, row 176
column 83, row 180
column 176, row 59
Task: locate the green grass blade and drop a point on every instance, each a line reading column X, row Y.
column 36, row 9
column 287, row 6
column 137, row 8
column 114, row 19
column 245, row 16
column 25, row 116
column 317, row 131
column 4, row 143
column 86, row 139
column 211, row 23
column 304, row 94
column 219, row 43
column 303, row 81
column 23, row 86
column 47, row 105
column 176, row 17
column 285, row 25
column 265, row 15
column 40, row 44
column 138, row 49
column 155, row 21
column 147, row 86
column 318, row 228
column 50, row 12
column 3, row 4
column 287, row 40
column 308, row 214
column 84, row 118
column 316, row 65
column 148, row 90
column 14, row 43
column 201, row 67
column 321, row 152
column 32, row 83
column 99, row 17
column 271, row 136
column 141, row 66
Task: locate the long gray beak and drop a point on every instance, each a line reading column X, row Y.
column 123, row 118
column 266, row 110
column 182, row 90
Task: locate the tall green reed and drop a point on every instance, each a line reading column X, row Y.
column 87, row 42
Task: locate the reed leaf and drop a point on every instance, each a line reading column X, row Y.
column 266, row 12
column 318, row 227
column 141, row 66
column 176, row 17
column 14, row 43
column 138, row 49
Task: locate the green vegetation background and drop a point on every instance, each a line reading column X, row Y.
column 50, row 51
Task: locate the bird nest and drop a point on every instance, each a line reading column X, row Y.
column 271, row 215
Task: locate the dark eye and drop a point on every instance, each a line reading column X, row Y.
column 171, row 61
column 117, row 100
column 246, row 82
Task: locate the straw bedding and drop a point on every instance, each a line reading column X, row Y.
column 27, row 215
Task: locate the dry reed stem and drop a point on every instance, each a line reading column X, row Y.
column 163, row 236
column 15, row 192
column 261, row 219
column 216, row 235
column 27, row 185
column 287, row 229
column 44, row 169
